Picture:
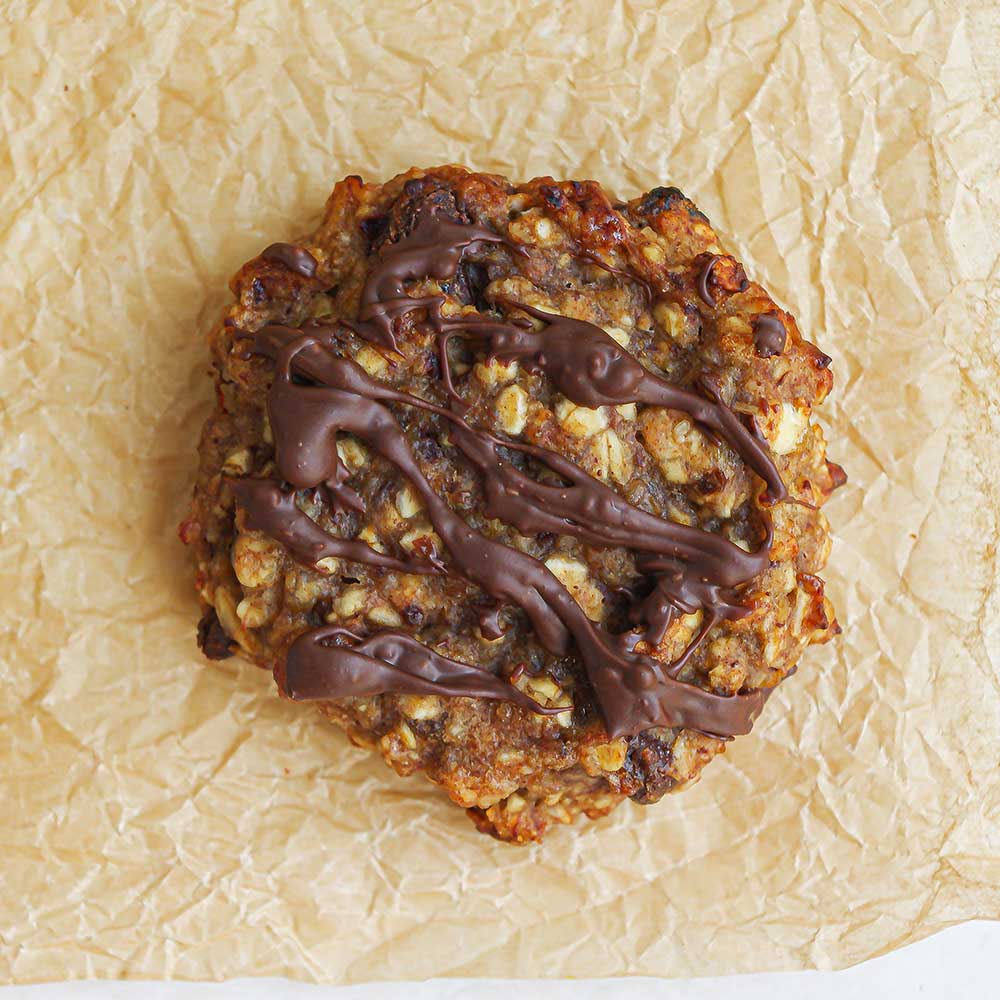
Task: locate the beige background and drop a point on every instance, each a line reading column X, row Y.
column 163, row 817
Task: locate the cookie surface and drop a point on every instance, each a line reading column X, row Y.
column 519, row 484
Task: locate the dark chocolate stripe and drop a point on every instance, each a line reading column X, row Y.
column 273, row 511
column 433, row 250
column 296, row 259
column 331, row 662
column 591, row 370
column 586, row 509
column 702, row 282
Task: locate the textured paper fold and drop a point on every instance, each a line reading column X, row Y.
column 161, row 816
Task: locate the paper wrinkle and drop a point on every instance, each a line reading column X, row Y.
column 163, row 816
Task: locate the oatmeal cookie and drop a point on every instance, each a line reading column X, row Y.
column 518, row 483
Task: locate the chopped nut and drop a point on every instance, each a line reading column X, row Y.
column 532, row 227
column 731, row 534
column 792, row 422
column 382, row 614
column 406, row 735
column 680, row 449
column 493, row 372
column 681, row 632
column 512, row 409
column 421, row 706
column 303, row 589
column 350, row 601
column 256, row 559
column 352, row 452
column 627, row 410
column 514, row 804
column 772, row 647
column 735, row 326
column 784, row 579
column 573, row 575
column 599, row 454
column 547, row 693
column 670, row 317
column 225, row 610
column 407, row 502
column 687, row 748
column 611, row 756
column 516, row 204
column 679, row 514
column 581, row 421
column 612, row 456
column 370, row 537
column 653, row 252
column 803, row 602
column 257, row 608
column 372, row 362
column 543, row 687
column 328, row 564
column 237, row 463
column 727, row 674
column 423, row 541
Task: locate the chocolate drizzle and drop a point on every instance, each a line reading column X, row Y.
column 768, row 335
column 643, row 283
column 692, row 570
column 702, row 284
column 296, row 259
column 592, row 370
column 433, row 250
column 274, row 511
column 585, row 508
column 331, row 662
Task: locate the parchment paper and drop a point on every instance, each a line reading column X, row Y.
column 161, row 816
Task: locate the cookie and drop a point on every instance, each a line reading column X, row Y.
column 519, row 484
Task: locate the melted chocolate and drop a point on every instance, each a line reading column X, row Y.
column 433, row 250
column 768, row 335
column 648, row 290
column 393, row 661
column 273, row 511
column 586, row 508
column 634, row 691
column 693, row 570
column 592, row 370
column 702, row 284
column 489, row 623
column 331, row 662
column 296, row 259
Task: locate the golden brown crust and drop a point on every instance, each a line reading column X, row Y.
column 515, row 771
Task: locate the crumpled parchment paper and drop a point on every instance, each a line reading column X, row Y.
column 161, row 816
